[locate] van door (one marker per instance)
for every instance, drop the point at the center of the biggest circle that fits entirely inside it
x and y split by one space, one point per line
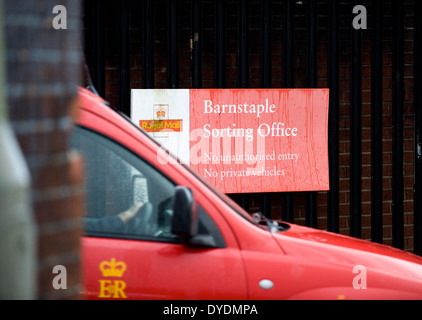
141 259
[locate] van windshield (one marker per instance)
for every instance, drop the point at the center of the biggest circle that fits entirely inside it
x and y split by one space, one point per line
238 209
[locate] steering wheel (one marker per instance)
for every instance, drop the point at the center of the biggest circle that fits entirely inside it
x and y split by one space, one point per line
141 223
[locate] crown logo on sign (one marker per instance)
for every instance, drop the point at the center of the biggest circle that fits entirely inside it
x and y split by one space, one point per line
112 268
161 113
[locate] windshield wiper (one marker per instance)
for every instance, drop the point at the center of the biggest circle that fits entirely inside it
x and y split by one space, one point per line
258 218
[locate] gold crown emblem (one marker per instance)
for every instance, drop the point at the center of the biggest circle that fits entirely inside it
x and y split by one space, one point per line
161 113
112 268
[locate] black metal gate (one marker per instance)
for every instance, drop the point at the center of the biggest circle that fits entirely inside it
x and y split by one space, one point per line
237 33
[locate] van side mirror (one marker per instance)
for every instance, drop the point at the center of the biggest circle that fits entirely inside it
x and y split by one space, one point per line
185 216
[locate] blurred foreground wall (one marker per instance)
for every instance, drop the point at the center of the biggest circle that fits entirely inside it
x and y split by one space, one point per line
43 72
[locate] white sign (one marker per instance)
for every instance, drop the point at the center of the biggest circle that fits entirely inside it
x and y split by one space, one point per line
164 114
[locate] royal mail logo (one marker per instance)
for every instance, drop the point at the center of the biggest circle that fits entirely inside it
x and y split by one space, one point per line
112 268
162 125
161 111
112 288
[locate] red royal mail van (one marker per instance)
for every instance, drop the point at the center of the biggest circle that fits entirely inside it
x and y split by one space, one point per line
188 241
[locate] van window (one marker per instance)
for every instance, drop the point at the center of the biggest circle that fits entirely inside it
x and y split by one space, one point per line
115 180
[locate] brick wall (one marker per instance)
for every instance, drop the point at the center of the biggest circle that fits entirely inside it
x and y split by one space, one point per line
345 20
43 71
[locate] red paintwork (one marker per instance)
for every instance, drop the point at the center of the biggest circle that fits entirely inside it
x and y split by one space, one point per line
303 263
